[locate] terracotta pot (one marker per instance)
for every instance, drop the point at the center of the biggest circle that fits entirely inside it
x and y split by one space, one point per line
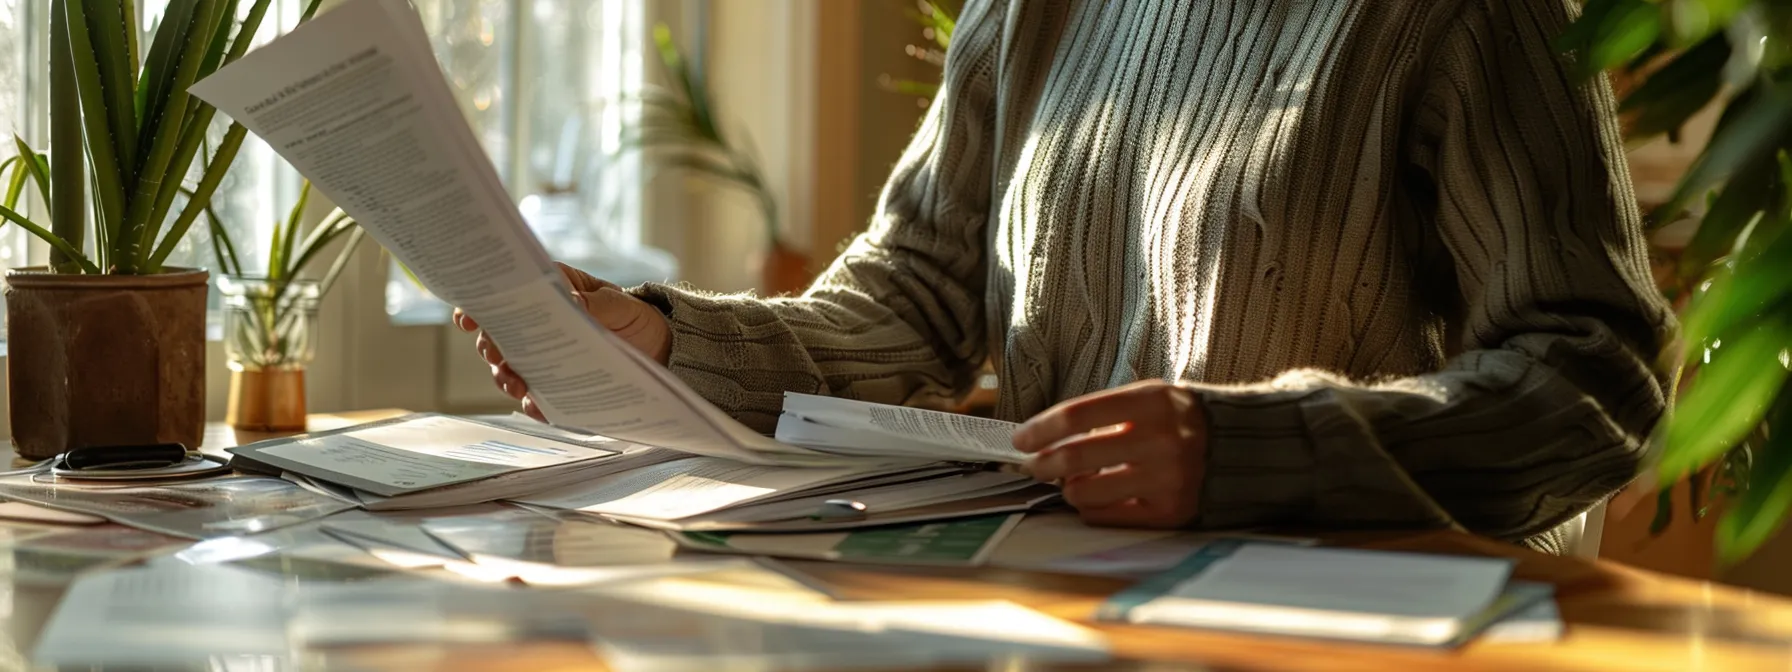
784 271
105 360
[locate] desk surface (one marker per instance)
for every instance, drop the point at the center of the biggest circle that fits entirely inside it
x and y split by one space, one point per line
1617 617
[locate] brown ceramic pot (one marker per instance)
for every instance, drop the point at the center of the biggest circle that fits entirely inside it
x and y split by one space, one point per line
105 360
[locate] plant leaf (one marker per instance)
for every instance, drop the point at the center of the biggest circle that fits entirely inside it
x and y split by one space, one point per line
157 77
1755 130
51 238
1728 398
68 168
108 173
1763 508
134 248
214 53
201 197
1623 34
245 34
33 165
1678 90
107 26
15 186
1748 194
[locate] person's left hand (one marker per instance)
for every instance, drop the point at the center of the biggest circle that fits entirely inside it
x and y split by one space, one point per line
1132 456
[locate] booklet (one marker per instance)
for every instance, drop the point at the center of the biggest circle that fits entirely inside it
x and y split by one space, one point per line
1334 593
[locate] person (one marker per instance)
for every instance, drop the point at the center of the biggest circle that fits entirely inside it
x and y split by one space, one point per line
1238 263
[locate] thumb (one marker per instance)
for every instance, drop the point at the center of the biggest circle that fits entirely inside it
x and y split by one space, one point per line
612 308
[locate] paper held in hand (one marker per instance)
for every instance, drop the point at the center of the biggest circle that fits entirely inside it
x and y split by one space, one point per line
355 101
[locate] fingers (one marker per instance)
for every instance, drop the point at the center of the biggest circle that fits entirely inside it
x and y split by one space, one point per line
1108 488
488 349
509 382
1131 513
613 308
1090 453
464 321
532 410
1139 403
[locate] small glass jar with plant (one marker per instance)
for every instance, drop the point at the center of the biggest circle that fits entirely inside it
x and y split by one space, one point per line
270 317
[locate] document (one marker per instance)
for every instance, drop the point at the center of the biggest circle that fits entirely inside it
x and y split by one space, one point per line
219 507
965 542
1406 598
690 486
851 427
356 102
416 453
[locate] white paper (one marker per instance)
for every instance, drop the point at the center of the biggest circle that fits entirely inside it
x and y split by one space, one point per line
418 454
895 430
1345 580
355 101
217 507
687 487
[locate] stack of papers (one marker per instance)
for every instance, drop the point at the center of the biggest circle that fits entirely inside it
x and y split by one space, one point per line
218 507
1376 596
428 460
856 428
712 494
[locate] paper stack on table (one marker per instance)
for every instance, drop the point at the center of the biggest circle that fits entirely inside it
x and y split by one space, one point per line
1377 596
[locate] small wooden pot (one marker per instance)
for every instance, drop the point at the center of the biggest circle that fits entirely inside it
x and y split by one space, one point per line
105 360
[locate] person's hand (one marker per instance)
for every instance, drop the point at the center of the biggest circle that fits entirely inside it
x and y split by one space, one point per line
637 322
1132 456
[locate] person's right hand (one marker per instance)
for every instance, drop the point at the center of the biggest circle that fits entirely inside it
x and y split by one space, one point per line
636 321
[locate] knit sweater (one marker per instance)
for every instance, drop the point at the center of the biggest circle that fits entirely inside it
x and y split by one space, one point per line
1392 244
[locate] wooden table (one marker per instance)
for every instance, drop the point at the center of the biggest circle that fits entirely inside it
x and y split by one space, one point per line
1618 618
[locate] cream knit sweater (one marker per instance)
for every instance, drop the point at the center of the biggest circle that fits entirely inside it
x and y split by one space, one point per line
1392 242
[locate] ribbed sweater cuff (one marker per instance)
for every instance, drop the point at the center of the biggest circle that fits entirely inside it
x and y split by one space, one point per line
710 348
1260 459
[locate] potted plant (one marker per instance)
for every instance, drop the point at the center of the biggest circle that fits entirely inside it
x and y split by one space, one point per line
270 316
678 130
107 344
1730 428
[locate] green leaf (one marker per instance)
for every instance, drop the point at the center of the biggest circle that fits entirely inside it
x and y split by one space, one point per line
342 259
214 54
1623 34
223 251
157 78
1678 90
15 186
1728 397
44 234
108 172
201 197
280 256
1747 195
1754 131
68 168
1664 511
1688 21
107 25
34 165
1762 509
245 34
139 236
310 10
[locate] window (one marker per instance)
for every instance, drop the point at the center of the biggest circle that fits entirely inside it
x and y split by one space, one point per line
539 82
542 82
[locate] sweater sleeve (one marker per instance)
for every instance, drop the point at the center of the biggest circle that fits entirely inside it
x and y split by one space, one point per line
1545 410
900 314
